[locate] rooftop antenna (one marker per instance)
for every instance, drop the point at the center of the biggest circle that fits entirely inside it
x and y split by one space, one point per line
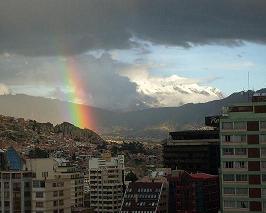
248 80
249 94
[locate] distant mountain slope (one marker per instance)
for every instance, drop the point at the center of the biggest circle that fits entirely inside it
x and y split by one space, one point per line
20 131
154 122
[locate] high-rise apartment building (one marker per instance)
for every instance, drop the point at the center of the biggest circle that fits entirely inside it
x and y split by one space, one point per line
243 156
67 170
106 182
15 191
51 191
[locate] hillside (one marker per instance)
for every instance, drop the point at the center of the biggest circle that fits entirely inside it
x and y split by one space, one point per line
154 122
18 131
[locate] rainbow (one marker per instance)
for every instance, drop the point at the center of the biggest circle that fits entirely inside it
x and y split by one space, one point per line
78 114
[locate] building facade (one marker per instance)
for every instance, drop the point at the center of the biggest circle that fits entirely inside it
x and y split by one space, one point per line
192 151
193 193
15 191
51 192
243 156
67 170
106 183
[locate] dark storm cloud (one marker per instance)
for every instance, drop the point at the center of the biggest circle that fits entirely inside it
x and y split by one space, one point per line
41 27
101 86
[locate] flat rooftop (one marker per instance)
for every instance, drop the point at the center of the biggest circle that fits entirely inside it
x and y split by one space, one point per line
195 135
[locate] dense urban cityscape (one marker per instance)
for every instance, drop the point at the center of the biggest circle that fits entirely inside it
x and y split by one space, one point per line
132 106
217 168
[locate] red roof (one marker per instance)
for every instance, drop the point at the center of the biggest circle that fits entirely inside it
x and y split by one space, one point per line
203 176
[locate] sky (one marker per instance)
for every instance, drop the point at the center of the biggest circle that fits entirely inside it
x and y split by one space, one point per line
132 54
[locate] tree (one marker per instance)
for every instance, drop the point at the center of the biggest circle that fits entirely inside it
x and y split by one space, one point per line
38 153
131 177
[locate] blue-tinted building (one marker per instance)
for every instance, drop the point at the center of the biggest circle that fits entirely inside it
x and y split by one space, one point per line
14 160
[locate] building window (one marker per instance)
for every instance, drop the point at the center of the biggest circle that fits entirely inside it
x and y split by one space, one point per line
55 202
263 164
241 177
240 151
227 125
263 192
229 191
39 204
263 152
263 178
241 191
229 204
240 125
61 202
240 138
39 194
44 174
6 185
264 206
263 138
229 177
229 164
240 164
263 125
61 193
242 204
227 138
38 184
228 151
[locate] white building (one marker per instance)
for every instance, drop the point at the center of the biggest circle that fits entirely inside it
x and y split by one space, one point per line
57 186
106 182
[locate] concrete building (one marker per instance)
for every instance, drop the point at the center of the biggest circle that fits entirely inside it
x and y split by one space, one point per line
67 170
15 191
193 151
243 156
106 182
193 193
148 195
51 191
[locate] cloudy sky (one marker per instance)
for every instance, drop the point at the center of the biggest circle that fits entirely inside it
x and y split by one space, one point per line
128 54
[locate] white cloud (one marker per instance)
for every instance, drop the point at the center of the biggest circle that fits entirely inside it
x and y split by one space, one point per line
169 91
4 90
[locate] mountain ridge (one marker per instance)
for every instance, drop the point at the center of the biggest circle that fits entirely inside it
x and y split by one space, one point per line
152 122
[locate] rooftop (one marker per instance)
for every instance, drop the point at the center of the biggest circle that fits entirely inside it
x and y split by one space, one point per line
194 135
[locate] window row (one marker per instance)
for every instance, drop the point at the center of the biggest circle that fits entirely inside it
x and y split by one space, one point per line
250 139
251 205
235 191
243 125
234 151
236 204
243 178
235 164
251 165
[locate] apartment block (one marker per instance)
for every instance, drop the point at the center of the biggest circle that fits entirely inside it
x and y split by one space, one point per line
67 170
243 156
15 191
193 151
106 182
51 192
